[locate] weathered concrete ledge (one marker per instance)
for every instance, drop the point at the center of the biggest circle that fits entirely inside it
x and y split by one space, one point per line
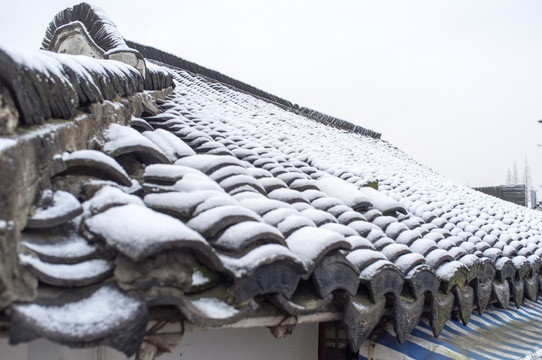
26 163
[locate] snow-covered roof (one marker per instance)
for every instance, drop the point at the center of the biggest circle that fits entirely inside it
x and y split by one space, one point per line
226 205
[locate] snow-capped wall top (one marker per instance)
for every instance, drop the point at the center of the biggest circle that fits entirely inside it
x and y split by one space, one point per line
44 84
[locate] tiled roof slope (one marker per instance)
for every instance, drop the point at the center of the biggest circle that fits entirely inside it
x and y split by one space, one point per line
169 59
225 205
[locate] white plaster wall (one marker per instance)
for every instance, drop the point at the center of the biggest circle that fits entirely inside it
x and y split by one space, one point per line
45 350
227 344
254 343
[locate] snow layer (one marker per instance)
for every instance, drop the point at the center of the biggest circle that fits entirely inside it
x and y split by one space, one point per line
196 182
362 258
380 201
210 218
96 156
263 205
170 144
84 270
106 197
6 143
214 308
78 80
137 231
73 247
208 163
198 278
442 222
87 319
309 243
167 172
238 236
63 204
122 137
265 254
348 193
182 203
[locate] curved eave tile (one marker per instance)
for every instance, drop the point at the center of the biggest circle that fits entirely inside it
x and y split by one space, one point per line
452 273
63 208
301 302
407 262
335 272
441 311
247 234
167 173
215 201
311 244
505 269
269 268
80 274
484 285
229 171
82 319
95 163
381 278
208 163
171 145
180 204
122 140
348 193
140 125
406 315
263 205
53 248
212 221
421 280
138 232
361 316
361 258
107 197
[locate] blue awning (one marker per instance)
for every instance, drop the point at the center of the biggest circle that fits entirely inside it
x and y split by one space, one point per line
497 334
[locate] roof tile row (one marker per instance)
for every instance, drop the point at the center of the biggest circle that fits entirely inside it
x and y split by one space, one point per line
224 202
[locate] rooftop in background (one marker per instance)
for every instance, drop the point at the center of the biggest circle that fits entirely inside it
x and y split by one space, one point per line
516 194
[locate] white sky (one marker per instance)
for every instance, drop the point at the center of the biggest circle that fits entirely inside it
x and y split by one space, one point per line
456 84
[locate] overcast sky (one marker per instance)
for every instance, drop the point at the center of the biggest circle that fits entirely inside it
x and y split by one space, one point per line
456 84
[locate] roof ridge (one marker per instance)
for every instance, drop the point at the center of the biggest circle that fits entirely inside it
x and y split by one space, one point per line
173 60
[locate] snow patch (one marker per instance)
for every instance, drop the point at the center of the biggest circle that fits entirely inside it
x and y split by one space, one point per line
214 308
74 246
83 270
137 231
103 311
63 204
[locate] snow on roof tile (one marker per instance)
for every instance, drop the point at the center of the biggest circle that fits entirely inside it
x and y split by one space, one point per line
95 162
137 232
105 316
248 205
80 274
57 208
122 140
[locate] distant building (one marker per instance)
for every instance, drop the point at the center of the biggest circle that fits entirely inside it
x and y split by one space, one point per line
516 194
